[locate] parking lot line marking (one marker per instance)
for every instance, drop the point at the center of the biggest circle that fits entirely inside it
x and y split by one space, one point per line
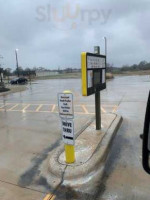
115 108
44 111
32 111
83 113
39 107
29 111
85 110
2 106
83 107
92 105
13 107
24 109
103 109
53 197
49 197
53 108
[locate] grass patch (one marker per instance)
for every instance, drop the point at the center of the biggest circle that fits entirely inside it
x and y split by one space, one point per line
61 76
69 76
132 73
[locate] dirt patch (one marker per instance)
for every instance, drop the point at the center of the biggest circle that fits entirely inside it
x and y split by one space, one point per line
109 76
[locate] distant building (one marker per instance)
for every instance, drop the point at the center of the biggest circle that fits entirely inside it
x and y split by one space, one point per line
70 70
45 73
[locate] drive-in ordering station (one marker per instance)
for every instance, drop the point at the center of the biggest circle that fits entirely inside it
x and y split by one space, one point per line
93 81
93 67
93 73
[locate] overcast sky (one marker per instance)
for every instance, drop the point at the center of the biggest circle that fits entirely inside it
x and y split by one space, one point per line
52 34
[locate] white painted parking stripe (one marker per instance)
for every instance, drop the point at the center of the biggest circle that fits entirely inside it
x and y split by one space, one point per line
103 109
85 110
3 105
115 108
38 108
82 108
53 108
13 107
24 109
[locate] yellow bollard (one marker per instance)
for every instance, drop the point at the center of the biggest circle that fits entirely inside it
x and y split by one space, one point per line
69 149
69 153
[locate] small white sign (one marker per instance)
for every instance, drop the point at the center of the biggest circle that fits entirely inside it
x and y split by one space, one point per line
95 62
65 104
90 78
103 76
68 131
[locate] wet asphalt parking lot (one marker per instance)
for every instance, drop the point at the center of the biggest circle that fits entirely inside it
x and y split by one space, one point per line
29 130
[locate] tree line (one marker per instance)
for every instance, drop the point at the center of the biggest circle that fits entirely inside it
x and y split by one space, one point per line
143 65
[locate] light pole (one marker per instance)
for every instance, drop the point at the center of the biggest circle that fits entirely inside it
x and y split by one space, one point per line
17 66
105 38
1 57
1 70
1 76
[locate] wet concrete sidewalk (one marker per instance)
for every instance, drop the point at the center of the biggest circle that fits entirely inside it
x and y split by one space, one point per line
25 141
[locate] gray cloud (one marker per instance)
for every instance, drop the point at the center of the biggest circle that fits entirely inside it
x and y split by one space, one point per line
53 33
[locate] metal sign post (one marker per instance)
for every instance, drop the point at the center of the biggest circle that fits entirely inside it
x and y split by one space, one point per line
97 99
97 110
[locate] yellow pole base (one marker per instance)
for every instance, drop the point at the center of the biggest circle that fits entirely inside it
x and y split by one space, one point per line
69 149
69 153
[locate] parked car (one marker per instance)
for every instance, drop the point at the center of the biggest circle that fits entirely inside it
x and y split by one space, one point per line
20 80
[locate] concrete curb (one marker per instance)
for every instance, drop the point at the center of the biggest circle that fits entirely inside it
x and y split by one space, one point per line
83 172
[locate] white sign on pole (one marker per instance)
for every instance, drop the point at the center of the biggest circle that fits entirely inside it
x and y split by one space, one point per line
95 62
90 78
68 131
103 76
65 104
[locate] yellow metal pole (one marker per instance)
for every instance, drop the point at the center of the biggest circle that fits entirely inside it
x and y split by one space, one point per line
69 149
69 153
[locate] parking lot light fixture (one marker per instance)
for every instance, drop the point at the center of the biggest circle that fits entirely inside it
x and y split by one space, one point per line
17 66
